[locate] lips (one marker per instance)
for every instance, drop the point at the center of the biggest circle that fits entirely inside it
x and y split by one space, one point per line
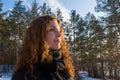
58 41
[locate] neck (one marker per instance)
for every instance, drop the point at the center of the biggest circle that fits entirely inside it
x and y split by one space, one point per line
56 53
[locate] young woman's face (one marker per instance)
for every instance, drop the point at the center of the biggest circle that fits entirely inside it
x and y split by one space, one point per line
53 35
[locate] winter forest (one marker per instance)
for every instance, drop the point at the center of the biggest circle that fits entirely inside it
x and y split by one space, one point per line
94 42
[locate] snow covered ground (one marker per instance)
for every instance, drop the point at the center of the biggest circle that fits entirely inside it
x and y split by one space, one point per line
6 72
85 76
89 78
5 76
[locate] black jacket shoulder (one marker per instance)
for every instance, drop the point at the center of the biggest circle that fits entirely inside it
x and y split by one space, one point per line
55 70
19 74
23 74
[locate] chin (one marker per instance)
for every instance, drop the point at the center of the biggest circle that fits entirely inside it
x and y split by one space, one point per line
57 47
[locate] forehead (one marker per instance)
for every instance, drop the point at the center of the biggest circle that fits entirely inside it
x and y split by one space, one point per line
54 23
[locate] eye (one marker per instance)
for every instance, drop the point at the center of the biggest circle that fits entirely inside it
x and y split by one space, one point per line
52 29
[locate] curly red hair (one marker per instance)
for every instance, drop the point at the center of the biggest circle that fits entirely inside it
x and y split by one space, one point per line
35 45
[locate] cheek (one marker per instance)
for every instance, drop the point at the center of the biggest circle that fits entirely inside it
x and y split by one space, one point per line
50 37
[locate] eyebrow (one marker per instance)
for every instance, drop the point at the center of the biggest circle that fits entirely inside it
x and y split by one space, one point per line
53 26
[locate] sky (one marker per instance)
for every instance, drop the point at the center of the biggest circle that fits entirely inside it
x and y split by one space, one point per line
82 7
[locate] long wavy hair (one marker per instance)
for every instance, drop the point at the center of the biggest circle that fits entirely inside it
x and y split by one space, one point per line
35 45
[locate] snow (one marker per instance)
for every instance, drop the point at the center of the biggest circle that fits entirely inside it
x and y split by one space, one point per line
5 76
89 78
85 76
6 72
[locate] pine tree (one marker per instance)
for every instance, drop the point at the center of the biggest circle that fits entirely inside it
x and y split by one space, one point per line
112 28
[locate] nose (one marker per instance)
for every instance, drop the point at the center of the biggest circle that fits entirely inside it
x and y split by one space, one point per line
58 34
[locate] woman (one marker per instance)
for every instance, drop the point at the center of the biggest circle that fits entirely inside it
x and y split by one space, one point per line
44 55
